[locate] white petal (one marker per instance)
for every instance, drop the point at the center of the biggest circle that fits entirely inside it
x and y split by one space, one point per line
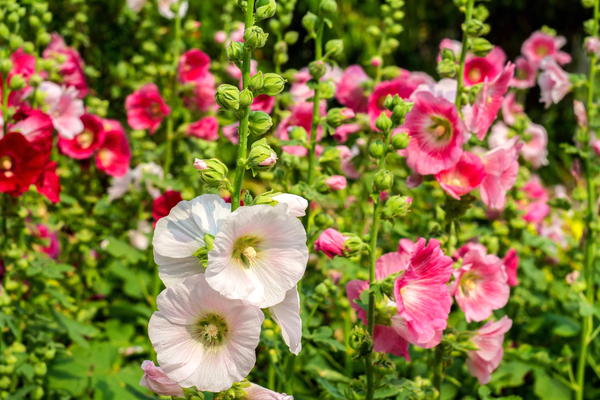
175 270
209 211
287 316
177 235
296 204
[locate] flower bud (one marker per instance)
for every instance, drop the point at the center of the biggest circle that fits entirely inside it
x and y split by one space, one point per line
352 245
400 141
332 243
481 47
400 111
328 7
383 365
377 149
323 221
17 82
228 97
588 3
259 123
309 22
35 80
265 9
383 123
28 48
266 198
317 69
254 38
592 45
361 342
339 116
334 48
273 84
34 21
43 38
257 81
235 51
448 54
15 42
299 134
331 160
396 206
291 37
446 68
384 180
261 156
5 66
212 172
246 98
474 27
596 147
391 102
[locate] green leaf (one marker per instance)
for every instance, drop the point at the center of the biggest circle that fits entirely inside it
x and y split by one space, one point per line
21 393
76 330
121 250
26 370
548 388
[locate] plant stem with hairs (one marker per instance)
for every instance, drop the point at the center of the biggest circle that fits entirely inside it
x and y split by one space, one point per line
463 55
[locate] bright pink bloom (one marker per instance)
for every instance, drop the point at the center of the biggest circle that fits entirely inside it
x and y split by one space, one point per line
350 91
540 45
488 339
554 82
263 103
342 132
21 163
467 247
450 44
501 167
161 207
146 108
158 382
463 177
84 144
445 88
302 115
71 68
510 108
23 65
524 74
53 248
511 263
535 190
48 183
331 242
402 86
206 129
436 135
480 285
405 247
203 93
336 182
193 65
580 113
536 211
114 154
478 69
65 109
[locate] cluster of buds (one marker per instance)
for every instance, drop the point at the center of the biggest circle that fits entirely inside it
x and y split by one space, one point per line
396 206
279 25
392 27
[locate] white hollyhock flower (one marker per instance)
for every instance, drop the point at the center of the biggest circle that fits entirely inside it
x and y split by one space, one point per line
296 204
164 8
256 392
287 315
259 254
135 5
179 235
203 339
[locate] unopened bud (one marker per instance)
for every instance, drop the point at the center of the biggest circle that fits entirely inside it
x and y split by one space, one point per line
255 38
212 172
474 27
383 123
323 221
5 66
17 82
446 68
317 69
257 81
299 134
400 141
481 47
309 22
235 51
352 245
291 37
265 9
384 180
261 156
246 98
377 149
273 84
328 7
259 123
396 206
15 42
334 48
339 116
448 54
383 365
228 97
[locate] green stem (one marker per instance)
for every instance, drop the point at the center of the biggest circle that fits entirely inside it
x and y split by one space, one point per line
379 68
236 196
438 368
463 55
6 92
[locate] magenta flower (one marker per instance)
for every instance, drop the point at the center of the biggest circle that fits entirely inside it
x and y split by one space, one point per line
53 247
65 109
554 82
193 65
331 242
511 263
157 381
524 74
71 64
146 108
350 91
463 177
263 103
540 45
336 182
488 339
402 86
510 108
436 135
467 247
206 128
302 115
113 155
84 144
480 285
480 69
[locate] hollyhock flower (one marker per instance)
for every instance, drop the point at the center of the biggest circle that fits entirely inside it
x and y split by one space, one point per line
445 88
157 381
336 182
350 91
220 37
535 149
164 8
287 315
179 235
71 64
202 94
300 91
64 108
454 45
146 108
263 103
84 144
535 190
510 108
21 163
592 45
53 248
554 82
259 254
414 180
136 6
477 69
331 242
536 211
161 207
467 247
488 339
48 182
203 339
480 285
501 167
138 238
193 65
541 45
346 156
436 135
580 113
342 132
231 132
402 86
488 102
511 263
36 127
255 392
524 74
296 204
113 154
463 177
206 129
302 115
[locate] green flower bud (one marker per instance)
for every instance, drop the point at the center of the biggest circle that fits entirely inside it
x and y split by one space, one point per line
481 47
212 172
391 102
34 21
323 221
331 159
400 141
47 17
228 97
383 365
259 123
328 7
15 42
474 27
446 68
448 54
28 48
13 18
383 123
281 47
334 48
377 149
273 84
265 9
37 393
17 82
235 51
257 81
4 382
400 111
5 66
254 38
588 3
299 134
309 22
246 98
261 156
291 37
361 342
396 206
384 180
43 38
352 245
290 161
267 198
274 25
317 69
339 116
4 31
373 30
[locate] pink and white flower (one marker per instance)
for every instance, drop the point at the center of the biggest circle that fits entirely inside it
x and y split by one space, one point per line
287 315
445 88
501 167
554 82
64 108
540 45
336 182
296 204
463 177
488 339
158 382
146 108
510 108
164 8
535 150
255 392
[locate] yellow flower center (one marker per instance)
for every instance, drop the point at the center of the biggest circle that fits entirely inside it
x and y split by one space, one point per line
250 254
439 130
85 139
475 75
455 182
211 331
6 163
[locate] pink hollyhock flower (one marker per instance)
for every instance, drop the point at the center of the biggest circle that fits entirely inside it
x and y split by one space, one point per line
405 247
138 238
48 183
146 108
164 8
231 132
436 135
255 392
24 66
85 143
301 92
113 154
445 88
477 69
554 231
501 167
592 45
161 207
450 44
536 211
554 82
206 129
596 147
331 242
488 339
263 103
524 74
402 86
302 115
480 285
350 91
510 108
136 6
346 156
511 263
342 132
203 339
193 65
53 248
271 160
580 113
202 96
65 109
463 177
467 247
414 180
336 182
21 163
535 190
71 64
488 102
535 149
220 37
157 381
540 45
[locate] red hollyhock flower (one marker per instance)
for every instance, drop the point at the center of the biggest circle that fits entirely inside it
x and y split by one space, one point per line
48 183
36 127
161 207
146 108
21 163
193 65
85 143
114 154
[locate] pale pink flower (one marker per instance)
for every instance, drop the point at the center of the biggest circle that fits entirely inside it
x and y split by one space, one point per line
200 164
445 88
350 91
336 182
64 108
255 392
436 135
592 45
157 381
554 82
164 8
203 92
203 339
489 338
511 263
510 108
136 6
206 128
331 242
231 132
501 167
146 108
540 45
480 285
138 238
572 277
467 247
220 37
342 132
287 315
346 156
296 204
535 149
580 113
463 177
525 74
271 160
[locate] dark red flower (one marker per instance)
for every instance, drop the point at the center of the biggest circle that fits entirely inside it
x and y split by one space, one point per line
48 183
21 163
161 207
85 143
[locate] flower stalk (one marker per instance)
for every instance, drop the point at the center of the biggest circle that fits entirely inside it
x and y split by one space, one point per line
463 55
